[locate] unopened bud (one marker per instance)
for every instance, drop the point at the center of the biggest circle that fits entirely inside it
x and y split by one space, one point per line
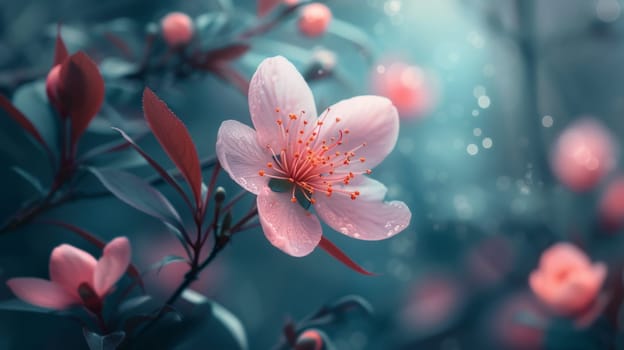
53 81
311 339
219 195
177 29
314 19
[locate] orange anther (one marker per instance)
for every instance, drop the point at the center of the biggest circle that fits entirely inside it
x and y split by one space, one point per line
261 172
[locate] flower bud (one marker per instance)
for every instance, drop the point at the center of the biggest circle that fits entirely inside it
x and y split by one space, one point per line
314 19
584 153
411 89
53 81
219 195
566 280
311 339
177 29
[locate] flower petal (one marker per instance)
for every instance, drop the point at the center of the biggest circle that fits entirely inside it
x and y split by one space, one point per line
241 156
563 255
367 217
276 90
287 225
70 266
369 120
112 265
40 292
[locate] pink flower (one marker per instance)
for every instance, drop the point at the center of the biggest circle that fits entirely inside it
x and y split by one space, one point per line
177 29
409 87
295 161
566 280
76 278
314 19
583 155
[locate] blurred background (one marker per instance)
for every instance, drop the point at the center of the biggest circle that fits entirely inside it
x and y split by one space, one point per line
485 88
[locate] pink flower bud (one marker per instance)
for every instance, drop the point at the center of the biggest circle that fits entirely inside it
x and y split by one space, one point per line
314 19
177 29
412 90
566 280
612 205
53 81
584 153
311 339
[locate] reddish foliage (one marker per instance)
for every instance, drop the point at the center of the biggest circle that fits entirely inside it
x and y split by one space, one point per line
81 92
334 251
24 122
175 140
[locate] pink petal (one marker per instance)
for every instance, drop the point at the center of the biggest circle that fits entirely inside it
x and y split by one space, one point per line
370 120
70 266
112 265
287 225
367 217
241 156
563 255
40 292
275 91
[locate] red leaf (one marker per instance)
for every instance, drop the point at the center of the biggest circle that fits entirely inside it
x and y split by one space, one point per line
209 59
232 76
120 44
60 51
23 121
81 92
175 140
93 239
266 6
334 251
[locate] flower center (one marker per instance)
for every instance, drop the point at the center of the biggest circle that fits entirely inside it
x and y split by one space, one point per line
311 159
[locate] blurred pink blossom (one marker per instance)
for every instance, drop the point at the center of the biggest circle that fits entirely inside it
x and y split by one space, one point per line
432 304
612 205
294 160
584 153
566 280
177 29
412 90
314 19
76 277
